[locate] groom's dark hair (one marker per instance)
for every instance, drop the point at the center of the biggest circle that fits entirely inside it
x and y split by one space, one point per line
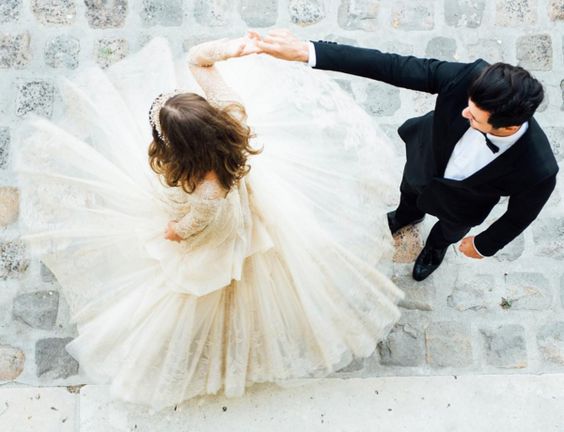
509 93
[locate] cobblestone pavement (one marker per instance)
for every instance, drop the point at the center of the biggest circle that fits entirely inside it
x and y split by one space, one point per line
501 315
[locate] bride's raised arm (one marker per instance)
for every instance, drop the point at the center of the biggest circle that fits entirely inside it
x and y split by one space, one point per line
201 59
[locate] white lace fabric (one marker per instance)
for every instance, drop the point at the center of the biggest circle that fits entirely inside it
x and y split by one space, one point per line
203 205
201 60
281 277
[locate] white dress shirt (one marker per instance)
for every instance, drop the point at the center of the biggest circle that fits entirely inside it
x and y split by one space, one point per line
471 153
312 60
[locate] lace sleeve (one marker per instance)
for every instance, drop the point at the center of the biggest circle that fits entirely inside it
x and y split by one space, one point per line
205 204
199 217
201 59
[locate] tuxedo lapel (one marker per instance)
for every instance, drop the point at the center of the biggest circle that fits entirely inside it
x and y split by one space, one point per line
456 127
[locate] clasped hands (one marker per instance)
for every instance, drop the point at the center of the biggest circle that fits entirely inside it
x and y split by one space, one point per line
279 43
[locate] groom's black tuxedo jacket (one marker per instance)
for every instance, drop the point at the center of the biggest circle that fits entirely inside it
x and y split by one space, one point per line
526 172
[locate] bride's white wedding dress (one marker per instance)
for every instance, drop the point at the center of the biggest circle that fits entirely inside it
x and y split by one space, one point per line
276 279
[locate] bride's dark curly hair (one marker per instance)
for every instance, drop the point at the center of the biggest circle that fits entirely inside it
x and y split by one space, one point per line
199 138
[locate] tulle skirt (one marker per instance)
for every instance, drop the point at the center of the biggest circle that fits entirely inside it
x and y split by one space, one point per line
311 293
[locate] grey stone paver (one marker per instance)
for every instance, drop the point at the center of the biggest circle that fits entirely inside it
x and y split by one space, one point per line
37 309
528 291
13 260
359 15
490 49
448 344
381 99
418 296
535 52
306 12
513 250
14 50
413 15
106 14
160 12
556 10
4 146
9 200
36 96
556 137
562 290
441 47
259 13
109 51
52 360
12 361
46 274
464 13
54 12
502 313
62 51
404 346
551 342
511 13
548 235
505 346
473 295
213 13
562 82
10 10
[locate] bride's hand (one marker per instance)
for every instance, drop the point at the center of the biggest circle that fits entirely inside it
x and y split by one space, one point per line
243 46
170 233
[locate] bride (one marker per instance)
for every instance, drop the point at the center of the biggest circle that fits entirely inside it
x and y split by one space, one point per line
245 250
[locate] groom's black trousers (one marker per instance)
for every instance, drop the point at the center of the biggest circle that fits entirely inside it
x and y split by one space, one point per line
443 232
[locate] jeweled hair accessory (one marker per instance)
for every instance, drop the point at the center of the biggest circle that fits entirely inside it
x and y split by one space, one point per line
155 110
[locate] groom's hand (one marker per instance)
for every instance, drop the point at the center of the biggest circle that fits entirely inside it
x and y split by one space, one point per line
467 248
282 44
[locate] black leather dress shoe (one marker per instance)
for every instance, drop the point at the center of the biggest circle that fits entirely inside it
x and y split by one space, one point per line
427 262
395 224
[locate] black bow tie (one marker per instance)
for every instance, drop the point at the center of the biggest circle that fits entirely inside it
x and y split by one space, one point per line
490 144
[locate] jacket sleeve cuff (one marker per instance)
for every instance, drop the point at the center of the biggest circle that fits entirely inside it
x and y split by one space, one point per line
476 249
484 246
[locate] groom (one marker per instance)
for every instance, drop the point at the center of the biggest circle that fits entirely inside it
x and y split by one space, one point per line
480 143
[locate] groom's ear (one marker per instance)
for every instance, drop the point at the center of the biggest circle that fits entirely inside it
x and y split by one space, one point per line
511 129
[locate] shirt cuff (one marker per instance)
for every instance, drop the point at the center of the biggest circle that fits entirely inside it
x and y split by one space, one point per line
476 249
312 60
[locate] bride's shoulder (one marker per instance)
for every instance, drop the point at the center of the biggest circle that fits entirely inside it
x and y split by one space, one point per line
210 188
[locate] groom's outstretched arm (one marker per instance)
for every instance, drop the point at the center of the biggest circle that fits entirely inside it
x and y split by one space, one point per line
428 75
422 74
